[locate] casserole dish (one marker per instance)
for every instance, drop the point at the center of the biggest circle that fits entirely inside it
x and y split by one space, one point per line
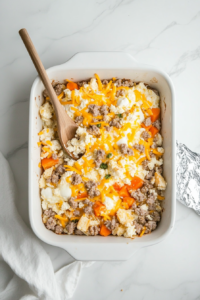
107 65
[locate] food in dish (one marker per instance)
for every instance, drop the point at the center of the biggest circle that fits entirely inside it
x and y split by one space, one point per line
115 187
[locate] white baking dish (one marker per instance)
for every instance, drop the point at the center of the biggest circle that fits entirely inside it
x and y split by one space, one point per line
107 65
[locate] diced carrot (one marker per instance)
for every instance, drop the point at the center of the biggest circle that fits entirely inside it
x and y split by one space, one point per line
98 207
82 195
136 183
117 187
155 114
72 86
124 192
129 201
146 127
153 131
49 162
104 230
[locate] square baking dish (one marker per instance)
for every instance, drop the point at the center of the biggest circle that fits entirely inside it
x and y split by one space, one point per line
106 65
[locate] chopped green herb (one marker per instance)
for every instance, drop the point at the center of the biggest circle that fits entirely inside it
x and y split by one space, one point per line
99 125
120 115
107 176
103 166
109 155
75 220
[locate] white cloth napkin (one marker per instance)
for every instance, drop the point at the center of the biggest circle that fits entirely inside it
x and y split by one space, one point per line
22 251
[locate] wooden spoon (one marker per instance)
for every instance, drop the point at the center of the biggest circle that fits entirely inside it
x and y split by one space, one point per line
66 126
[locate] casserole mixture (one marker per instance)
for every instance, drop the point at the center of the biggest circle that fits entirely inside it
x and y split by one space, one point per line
116 186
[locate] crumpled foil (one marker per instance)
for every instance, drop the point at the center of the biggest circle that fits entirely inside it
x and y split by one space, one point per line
188 177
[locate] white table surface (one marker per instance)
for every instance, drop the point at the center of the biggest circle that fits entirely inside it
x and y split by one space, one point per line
158 32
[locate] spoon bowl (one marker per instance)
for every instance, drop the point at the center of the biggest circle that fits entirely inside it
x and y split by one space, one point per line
66 126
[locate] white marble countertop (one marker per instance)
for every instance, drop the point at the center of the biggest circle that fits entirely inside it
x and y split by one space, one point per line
161 33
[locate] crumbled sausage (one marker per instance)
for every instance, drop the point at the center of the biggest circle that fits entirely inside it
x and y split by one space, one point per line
153 193
111 225
107 128
88 210
54 177
104 110
124 82
138 227
108 224
149 175
86 201
140 148
150 200
156 216
125 150
90 184
60 169
57 87
78 232
147 121
100 154
120 92
138 195
70 227
147 184
58 229
93 192
98 162
150 226
94 230
81 83
152 155
94 109
116 123
72 203
144 189
77 213
145 164
48 212
141 220
76 179
48 180
128 82
134 206
104 81
140 212
78 119
145 135
91 187
51 223
94 130
157 124
152 206
54 156
118 82
45 93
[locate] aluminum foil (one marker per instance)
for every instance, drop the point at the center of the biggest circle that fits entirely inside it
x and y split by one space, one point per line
188 177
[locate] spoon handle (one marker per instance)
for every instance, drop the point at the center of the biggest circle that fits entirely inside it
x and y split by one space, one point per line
40 69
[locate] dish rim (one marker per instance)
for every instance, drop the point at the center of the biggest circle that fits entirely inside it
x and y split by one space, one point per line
140 66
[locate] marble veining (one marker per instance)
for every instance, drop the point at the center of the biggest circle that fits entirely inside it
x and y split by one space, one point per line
157 32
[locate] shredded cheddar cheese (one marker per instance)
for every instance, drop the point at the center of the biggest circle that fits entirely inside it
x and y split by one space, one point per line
114 150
